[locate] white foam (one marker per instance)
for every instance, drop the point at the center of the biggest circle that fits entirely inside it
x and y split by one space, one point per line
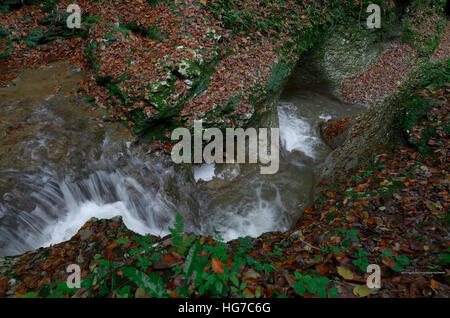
68 226
62 208
252 217
325 117
204 171
296 132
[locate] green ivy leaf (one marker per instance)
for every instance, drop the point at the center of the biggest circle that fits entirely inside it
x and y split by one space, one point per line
122 240
402 260
445 258
219 286
312 286
321 292
299 288
333 292
234 280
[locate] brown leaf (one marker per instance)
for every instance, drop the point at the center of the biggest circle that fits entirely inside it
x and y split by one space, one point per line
217 266
389 262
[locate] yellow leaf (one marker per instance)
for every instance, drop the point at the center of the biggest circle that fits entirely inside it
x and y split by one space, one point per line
345 272
361 291
434 284
140 293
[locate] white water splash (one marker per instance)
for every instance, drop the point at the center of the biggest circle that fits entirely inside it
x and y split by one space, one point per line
325 117
204 172
252 217
296 133
68 226
62 208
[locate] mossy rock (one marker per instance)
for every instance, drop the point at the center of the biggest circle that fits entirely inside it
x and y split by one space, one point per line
188 69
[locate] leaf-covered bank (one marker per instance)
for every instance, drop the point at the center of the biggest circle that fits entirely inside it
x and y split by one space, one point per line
156 65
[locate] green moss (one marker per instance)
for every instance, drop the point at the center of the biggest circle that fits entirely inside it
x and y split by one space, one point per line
426 10
188 69
33 37
201 82
4 33
154 33
280 72
414 107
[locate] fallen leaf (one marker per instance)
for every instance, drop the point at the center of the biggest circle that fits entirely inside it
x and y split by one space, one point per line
345 272
217 266
361 291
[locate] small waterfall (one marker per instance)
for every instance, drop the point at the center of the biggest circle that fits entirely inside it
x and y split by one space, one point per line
62 207
296 133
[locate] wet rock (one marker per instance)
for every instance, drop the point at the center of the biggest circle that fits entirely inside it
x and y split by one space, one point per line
334 133
86 234
342 54
297 156
365 132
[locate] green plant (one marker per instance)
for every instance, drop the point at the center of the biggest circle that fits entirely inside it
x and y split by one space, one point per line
316 285
414 106
47 291
103 271
400 261
179 241
152 284
4 33
153 32
361 259
351 235
155 2
146 254
33 37
4 56
445 258
280 73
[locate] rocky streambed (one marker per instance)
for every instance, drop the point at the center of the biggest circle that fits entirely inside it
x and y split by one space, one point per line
63 164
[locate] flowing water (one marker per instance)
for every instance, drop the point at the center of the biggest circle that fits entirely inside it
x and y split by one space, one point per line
59 168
